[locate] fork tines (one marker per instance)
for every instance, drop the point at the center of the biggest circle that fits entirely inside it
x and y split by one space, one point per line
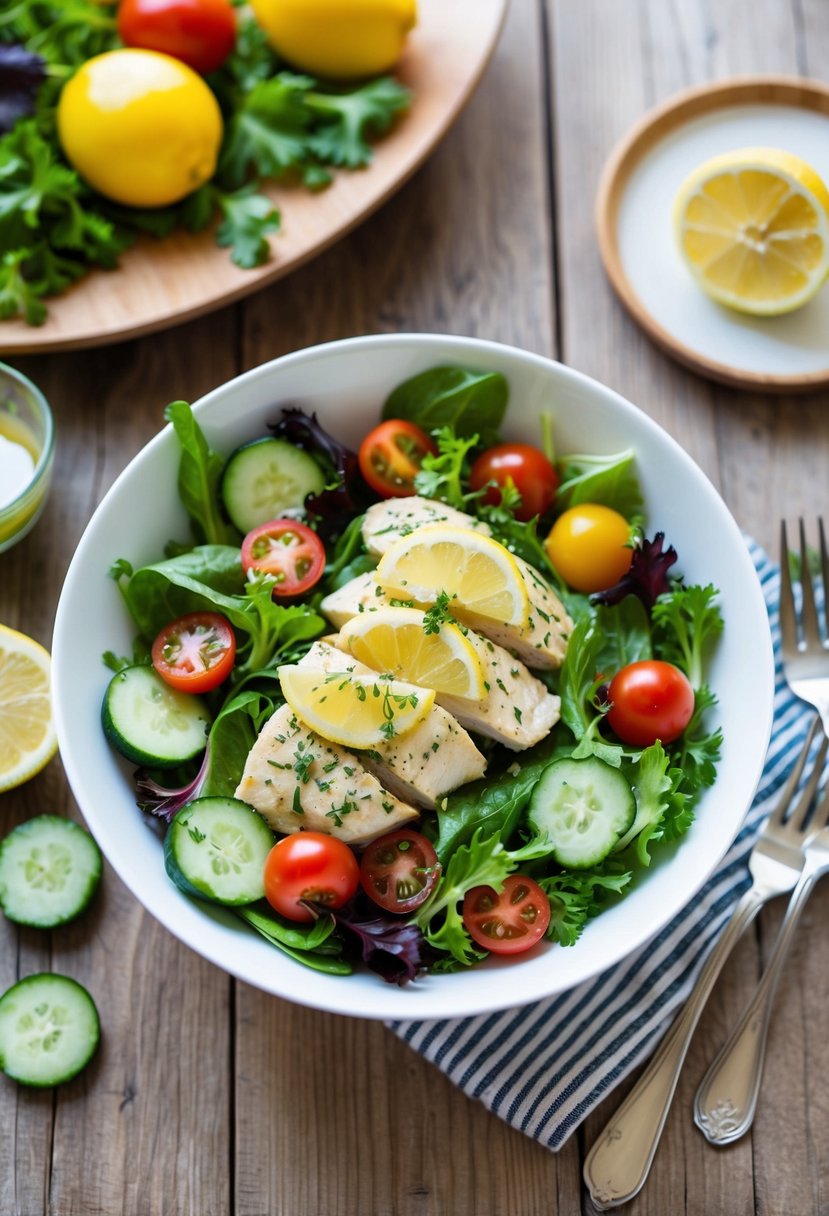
806 632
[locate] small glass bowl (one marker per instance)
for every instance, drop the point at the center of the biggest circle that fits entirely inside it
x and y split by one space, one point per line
25 419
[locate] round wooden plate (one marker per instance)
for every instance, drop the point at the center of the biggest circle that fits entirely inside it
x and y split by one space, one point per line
634 218
161 283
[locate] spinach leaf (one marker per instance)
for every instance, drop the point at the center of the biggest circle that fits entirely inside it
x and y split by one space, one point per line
232 736
610 480
308 944
208 578
467 401
199 476
626 635
494 804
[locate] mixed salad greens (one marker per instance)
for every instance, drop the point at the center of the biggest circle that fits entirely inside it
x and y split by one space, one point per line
485 871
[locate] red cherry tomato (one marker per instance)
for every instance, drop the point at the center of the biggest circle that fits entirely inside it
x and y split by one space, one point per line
509 922
201 33
312 866
290 551
390 456
650 700
398 871
529 470
195 652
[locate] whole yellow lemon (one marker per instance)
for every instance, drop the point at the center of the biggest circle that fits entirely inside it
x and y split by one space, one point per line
342 39
140 127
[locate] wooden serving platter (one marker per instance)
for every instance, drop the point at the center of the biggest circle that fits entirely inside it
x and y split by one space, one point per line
788 353
162 283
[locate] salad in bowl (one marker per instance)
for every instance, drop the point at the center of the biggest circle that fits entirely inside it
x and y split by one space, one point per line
419 664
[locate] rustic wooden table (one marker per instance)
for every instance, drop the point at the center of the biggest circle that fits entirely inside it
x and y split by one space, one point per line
210 1098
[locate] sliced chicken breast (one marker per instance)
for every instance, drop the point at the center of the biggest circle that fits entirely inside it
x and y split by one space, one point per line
387 521
424 764
298 780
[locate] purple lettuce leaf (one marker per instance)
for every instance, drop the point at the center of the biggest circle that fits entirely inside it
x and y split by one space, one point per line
21 75
647 577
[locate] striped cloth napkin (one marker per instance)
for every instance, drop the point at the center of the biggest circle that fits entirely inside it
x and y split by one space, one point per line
543 1068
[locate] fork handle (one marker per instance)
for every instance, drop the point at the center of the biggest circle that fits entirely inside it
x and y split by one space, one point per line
727 1097
618 1163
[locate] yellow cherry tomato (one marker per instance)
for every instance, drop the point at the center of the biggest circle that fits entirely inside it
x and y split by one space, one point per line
344 39
140 127
588 545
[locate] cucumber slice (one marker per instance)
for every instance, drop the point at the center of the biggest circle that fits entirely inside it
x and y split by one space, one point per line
216 848
151 723
49 870
264 479
49 1030
584 807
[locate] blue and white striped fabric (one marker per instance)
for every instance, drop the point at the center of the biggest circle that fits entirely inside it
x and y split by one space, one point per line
543 1068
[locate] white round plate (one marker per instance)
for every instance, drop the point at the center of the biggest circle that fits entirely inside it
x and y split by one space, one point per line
346 384
789 353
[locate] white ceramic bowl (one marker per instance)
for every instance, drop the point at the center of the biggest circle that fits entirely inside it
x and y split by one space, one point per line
346 383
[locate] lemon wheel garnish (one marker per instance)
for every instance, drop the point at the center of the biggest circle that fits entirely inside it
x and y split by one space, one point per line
27 732
355 710
478 574
395 640
753 227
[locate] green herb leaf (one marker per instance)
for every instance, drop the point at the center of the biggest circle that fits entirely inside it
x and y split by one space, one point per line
610 480
199 475
346 121
468 403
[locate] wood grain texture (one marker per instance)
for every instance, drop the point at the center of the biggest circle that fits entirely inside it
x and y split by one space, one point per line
161 283
209 1098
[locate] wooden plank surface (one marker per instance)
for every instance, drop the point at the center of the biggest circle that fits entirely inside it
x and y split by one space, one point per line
210 1098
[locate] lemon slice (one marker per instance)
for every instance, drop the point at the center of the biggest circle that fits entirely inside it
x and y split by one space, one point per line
753 226
27 732
394 640
478 574
354 710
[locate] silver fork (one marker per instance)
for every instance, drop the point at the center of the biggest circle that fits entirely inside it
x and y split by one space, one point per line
805 652
727 1097
726 1100
619 1162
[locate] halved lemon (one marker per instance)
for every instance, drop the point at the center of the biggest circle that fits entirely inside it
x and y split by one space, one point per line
27 732
354 710
753 227
478 574
395 640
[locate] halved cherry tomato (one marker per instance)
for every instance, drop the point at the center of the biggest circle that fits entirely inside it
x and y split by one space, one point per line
589 547
390 456
312 866
290 551
509 922
650 700
398 871
195 653
201 33
529 470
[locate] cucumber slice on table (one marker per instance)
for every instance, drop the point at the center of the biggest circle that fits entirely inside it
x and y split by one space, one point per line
151 723
216 848
49 1030
49 870
584 807
264 479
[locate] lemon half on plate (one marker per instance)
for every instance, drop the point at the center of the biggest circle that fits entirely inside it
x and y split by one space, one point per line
753 227
27 732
